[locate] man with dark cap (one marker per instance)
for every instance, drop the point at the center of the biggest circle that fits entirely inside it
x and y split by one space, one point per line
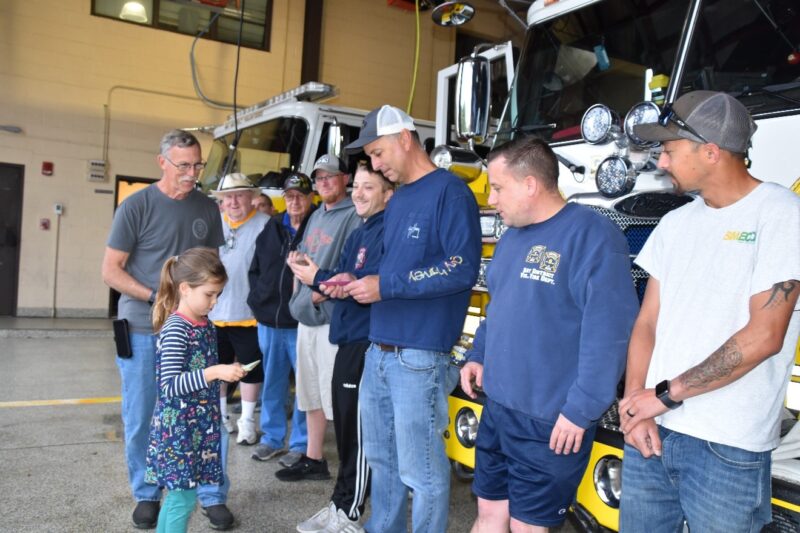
430 263
711 350
271 287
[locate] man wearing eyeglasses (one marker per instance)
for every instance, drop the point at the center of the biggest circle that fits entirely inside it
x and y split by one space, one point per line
271 287
158 222
326 233
711 351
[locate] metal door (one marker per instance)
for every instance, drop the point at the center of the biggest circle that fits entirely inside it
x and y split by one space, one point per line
10 229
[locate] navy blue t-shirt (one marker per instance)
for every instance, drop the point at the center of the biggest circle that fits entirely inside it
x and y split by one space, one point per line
360 257
431 255
563 304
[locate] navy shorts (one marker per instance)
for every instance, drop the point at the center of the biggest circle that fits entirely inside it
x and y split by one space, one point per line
237 343
514 462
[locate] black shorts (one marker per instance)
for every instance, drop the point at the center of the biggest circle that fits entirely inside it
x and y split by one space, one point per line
514 462
236 343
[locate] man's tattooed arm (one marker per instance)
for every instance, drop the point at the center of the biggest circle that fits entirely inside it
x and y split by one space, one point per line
770 312
718 365
780 293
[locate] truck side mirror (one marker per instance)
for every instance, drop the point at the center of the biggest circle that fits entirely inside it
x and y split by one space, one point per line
473 88
334 139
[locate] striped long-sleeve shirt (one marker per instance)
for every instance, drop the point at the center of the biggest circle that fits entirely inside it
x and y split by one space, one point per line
182 357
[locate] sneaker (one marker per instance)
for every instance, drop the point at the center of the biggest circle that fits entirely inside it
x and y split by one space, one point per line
145 515
317 523
219 516
341 523
264 452
305 468
229 424
290 459
247 432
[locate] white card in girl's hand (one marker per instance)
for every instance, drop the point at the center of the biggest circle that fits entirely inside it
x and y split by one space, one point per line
250 366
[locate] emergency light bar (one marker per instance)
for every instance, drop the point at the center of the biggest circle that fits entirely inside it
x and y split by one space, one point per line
308 92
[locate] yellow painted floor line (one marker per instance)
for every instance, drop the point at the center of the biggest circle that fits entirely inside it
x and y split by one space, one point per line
72 401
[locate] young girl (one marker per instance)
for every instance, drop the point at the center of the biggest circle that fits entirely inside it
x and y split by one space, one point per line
184 448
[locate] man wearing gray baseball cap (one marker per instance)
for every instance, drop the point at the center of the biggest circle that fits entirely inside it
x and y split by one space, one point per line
431 255
711 352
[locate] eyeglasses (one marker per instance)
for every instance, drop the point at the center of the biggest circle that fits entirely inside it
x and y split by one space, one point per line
293 197
326 178
185 167
669 115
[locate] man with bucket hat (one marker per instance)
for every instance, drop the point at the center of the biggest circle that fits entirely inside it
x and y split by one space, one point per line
711 351
419 299
237 336
158 222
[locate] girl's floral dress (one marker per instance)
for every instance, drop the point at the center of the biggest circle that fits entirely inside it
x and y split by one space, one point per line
184 447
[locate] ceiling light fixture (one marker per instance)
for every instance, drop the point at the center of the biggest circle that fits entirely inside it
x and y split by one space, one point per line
133 11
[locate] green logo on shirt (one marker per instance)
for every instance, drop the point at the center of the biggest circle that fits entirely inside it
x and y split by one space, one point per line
741 236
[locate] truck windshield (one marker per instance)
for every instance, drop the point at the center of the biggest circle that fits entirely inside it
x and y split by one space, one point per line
601 53
743 47
598 54
265 153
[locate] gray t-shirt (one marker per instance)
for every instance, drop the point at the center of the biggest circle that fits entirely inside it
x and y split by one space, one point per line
151 227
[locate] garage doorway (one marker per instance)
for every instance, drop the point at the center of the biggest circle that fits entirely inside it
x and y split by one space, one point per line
125 186
10 231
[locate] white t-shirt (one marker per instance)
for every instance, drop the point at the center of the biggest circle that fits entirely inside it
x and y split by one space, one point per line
708 263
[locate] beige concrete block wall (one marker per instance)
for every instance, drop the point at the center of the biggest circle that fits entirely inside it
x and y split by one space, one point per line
61 69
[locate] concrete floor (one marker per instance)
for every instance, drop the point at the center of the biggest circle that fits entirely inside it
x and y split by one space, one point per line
63 464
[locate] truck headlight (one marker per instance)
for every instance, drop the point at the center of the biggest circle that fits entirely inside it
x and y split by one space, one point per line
608 480
466 427
465 164
599 124
615 176
641 113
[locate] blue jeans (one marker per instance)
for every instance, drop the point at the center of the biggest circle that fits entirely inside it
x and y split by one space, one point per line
279 347
403 402
139 392
715 488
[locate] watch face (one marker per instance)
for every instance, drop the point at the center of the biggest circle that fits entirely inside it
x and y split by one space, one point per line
662 388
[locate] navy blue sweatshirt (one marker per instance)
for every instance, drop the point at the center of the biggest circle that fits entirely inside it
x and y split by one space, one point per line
431 255
556 333
360 257
271 279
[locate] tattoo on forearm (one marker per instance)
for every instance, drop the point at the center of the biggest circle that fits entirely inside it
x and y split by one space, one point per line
719 364
784 288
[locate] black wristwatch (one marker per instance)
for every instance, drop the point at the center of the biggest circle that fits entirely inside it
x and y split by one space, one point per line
152 298
662 393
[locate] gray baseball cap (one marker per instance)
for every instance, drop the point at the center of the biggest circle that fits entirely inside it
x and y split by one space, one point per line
718 117
384 120
329 163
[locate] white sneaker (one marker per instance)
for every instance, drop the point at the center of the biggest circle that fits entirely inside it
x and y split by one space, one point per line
341 523
228 423
317 523
247 431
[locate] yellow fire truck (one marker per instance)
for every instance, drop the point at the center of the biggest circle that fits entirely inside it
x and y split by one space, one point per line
589 70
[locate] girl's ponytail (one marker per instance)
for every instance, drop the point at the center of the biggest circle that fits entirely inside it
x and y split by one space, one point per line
167 296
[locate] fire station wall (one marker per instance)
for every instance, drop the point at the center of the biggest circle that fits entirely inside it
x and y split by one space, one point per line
60 69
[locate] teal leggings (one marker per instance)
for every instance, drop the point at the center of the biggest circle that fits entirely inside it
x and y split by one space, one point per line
176 510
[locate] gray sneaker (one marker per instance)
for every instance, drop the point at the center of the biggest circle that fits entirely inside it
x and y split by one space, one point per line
317 523
264 452
290 458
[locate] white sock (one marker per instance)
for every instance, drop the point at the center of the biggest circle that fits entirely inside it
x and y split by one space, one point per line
248 410
223 406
